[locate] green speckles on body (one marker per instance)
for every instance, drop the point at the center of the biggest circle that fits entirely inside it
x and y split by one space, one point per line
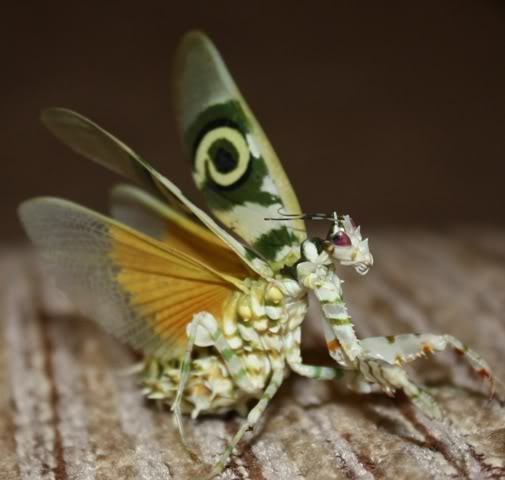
228 353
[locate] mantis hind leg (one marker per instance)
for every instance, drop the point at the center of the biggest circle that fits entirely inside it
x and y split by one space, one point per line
252 419
234 363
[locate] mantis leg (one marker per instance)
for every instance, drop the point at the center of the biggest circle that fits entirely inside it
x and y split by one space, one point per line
317 372
378 360
252 419
294 360
383 356
399 349
391 378
233 362
371 365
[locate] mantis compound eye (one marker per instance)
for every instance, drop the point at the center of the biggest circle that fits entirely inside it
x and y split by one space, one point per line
341 239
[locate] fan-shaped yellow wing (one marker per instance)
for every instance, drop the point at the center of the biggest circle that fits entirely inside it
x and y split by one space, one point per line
139 289
144 212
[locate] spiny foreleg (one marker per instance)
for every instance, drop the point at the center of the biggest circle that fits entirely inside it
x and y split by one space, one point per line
377 359
399 349
391 378
351 353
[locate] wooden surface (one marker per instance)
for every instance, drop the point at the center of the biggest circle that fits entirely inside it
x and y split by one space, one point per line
67 412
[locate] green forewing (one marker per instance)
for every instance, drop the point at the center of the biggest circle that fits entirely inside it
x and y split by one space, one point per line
234 165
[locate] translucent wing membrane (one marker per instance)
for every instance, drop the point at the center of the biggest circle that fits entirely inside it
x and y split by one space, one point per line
90 140
138 288
234 165
143 212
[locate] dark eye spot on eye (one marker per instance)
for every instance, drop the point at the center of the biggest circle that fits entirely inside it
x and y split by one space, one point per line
224 156
341 239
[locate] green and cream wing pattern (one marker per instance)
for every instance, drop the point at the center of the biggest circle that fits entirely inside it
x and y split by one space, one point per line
234 164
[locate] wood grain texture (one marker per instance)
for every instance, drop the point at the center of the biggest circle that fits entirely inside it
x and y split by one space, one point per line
68 412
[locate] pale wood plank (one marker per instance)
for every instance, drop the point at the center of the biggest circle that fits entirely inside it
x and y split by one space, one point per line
66 413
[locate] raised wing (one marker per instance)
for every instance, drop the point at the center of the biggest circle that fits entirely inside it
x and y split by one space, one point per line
137 288
143 212
93 142
234 165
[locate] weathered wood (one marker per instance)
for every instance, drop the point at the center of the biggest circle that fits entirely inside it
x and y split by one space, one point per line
67 412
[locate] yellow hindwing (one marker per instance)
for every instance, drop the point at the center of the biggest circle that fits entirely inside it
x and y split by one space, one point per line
140 289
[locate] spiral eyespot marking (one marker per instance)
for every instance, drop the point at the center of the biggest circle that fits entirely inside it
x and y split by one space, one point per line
224 155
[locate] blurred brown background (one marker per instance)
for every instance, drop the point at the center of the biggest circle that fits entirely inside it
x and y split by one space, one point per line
394 114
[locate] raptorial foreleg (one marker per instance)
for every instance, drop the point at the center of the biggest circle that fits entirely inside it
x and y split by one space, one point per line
391 378
352 354
399 349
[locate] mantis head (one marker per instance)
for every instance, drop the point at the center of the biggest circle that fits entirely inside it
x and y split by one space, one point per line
345 244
